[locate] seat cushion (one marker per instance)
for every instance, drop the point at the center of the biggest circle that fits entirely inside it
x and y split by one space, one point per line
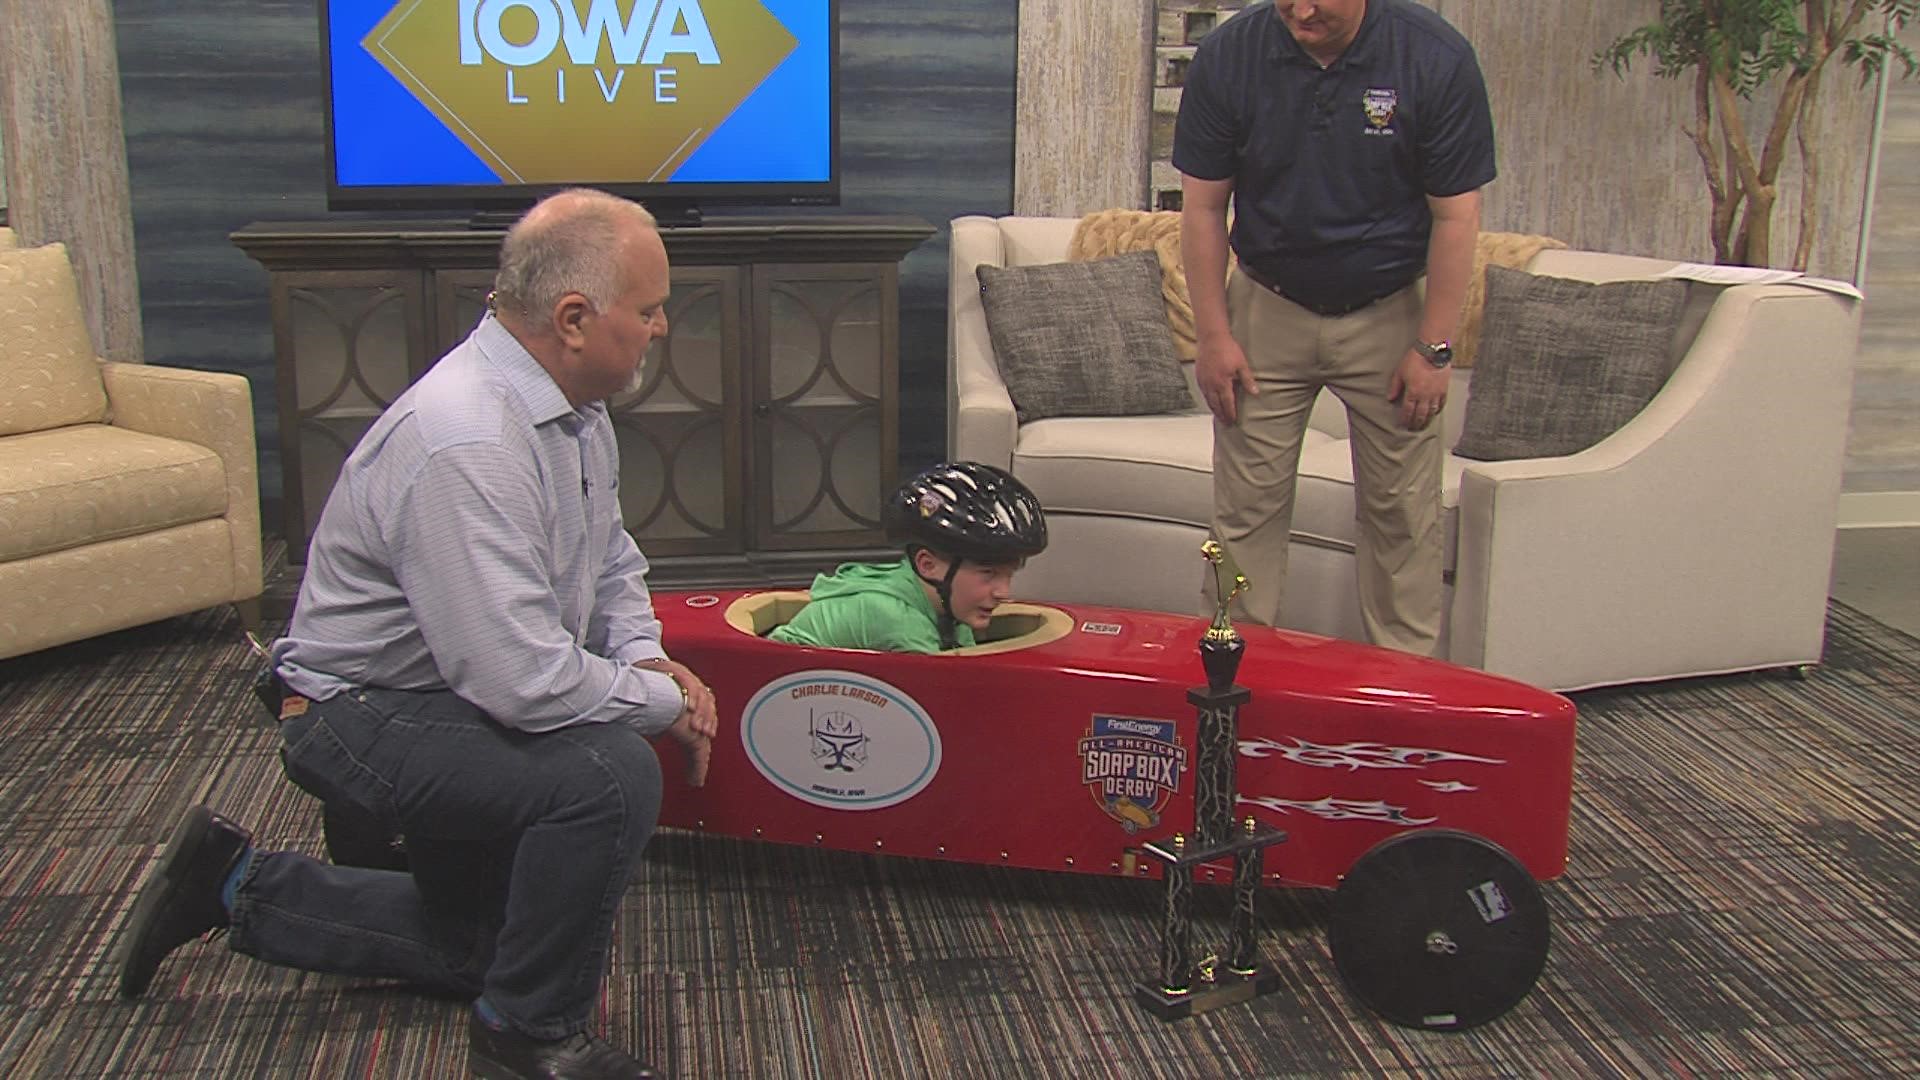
1152 467
79 485
1323 512
48 375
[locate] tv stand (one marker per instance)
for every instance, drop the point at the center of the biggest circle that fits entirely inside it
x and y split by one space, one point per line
675 213
667 213
759 446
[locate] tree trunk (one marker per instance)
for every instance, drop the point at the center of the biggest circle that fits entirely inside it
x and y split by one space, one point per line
1810 182
67 155
1756 229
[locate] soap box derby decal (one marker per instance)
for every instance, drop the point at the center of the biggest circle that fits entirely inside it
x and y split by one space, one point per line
988 754
1132 766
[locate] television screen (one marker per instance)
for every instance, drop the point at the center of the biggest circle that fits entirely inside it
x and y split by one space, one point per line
489 103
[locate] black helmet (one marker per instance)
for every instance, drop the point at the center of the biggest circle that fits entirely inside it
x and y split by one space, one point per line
967 510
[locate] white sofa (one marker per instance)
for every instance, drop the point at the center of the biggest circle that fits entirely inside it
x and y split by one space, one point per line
1696 539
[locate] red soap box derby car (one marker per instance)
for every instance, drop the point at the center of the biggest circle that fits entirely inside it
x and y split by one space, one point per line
1430 795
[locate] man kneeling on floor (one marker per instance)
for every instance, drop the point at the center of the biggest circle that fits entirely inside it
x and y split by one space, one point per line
474 663
967 528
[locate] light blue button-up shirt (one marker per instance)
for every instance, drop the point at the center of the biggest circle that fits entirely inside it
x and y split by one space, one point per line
473 543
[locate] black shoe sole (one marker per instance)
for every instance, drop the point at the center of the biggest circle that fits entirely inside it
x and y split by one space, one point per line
488 1070
162 889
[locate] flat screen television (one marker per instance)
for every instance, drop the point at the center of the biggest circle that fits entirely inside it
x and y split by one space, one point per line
488 104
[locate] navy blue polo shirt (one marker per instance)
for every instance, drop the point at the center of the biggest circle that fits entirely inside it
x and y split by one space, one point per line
1331 167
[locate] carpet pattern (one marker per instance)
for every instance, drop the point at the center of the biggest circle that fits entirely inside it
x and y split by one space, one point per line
1743 896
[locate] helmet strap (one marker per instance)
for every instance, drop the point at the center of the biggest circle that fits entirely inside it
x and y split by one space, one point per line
949 635
949 638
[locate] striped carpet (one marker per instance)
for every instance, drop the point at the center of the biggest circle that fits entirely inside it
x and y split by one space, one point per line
1744 897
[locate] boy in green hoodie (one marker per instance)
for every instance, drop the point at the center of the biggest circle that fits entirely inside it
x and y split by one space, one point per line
966 528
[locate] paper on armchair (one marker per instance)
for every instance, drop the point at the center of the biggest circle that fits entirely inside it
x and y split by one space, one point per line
1715 274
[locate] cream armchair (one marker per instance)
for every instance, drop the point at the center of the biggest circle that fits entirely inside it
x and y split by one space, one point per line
128 492
1696 539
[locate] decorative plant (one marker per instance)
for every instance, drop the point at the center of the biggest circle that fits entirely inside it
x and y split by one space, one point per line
1734 48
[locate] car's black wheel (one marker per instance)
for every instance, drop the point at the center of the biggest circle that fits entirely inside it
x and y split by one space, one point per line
1438 929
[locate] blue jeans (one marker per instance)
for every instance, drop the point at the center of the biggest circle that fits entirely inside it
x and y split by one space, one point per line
519 847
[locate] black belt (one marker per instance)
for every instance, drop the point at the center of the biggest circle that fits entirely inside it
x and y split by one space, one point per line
1345 307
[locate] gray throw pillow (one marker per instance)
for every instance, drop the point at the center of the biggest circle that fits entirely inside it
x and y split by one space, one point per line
1084 338
1563 364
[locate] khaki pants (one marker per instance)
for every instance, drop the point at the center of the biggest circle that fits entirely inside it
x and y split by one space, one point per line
1293 353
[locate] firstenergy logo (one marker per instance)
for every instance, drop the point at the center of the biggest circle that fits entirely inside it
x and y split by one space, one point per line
525 84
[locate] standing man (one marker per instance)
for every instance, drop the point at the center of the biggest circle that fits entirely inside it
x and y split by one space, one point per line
1352 138
474 663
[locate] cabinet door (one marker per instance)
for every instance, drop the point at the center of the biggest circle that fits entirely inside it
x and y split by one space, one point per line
680 453
459 299
348 343
826 380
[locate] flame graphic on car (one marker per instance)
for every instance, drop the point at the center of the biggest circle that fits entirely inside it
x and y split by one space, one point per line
1356 755
1331 809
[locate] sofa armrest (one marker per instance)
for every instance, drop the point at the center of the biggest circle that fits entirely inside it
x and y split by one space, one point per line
982 425
210 409
1697 538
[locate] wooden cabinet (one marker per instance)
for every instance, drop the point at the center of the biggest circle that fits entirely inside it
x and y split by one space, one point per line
759 444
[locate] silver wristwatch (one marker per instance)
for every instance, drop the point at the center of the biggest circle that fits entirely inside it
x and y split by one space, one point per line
1439 353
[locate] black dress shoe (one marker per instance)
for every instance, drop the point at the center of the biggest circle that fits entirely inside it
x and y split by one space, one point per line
181 900
506 1054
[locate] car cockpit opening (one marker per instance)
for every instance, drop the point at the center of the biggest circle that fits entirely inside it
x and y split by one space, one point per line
1014 626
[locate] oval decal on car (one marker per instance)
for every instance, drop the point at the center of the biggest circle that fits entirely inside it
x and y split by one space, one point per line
840 739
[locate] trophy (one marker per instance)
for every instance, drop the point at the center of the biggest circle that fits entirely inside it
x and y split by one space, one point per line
1222 646
1183 988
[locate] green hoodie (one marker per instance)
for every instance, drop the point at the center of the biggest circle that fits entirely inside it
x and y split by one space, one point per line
867 606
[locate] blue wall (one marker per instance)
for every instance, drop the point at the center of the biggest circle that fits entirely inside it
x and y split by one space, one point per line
224 127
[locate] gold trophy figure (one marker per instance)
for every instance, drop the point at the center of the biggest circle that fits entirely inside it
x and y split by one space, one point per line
1221 646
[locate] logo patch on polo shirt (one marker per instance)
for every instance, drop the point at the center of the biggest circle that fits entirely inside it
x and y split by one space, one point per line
1380 103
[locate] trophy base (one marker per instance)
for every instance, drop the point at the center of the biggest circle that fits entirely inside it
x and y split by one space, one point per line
1226 988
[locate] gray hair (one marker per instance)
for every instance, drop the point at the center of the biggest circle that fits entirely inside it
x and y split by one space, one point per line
569 242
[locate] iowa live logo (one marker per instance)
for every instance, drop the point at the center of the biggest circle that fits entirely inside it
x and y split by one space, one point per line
525 84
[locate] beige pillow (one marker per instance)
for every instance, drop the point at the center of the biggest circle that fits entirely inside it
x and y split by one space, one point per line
49 376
